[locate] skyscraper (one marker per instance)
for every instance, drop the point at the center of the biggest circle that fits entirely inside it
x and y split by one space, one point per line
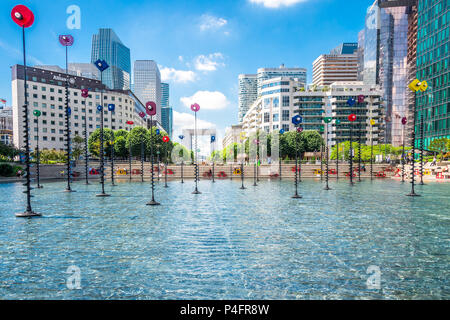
164 94
248 93
340 65
433 65
385 61
147 83
106 45
167 119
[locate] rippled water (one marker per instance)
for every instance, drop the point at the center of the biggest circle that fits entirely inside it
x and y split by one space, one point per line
227 243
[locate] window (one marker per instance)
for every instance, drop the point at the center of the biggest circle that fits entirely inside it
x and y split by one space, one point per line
276 117
285 115
266 103
276 102
275 127
266 117
285 101
285 127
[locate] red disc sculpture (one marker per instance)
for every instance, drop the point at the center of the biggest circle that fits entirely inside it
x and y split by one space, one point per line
166 139
130 123
352 117
22 16
84 93
150 108
195 107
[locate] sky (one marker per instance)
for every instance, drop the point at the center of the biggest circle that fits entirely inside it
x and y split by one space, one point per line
201 46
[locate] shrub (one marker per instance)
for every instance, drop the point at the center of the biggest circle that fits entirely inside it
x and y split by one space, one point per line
6 170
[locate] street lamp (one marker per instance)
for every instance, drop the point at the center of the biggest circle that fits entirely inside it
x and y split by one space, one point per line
85 94
37 114
196 108
67 41
101 66
112 142
415 86
150 108
297 120
24 17
182 159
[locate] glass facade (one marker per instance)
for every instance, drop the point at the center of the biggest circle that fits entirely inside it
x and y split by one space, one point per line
147 83
247 93
167 120
270 73
164 95
106 45
433 59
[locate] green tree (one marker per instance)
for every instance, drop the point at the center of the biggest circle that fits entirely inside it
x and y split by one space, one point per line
78 147
120 147
312 140
94 142
440 146
137 136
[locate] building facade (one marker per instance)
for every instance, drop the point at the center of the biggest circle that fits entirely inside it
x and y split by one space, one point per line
433 66
46 93
232 135
385 61
283 98
6 125
248 93
167 120
270 73
340 65
147 83
165 95
106 45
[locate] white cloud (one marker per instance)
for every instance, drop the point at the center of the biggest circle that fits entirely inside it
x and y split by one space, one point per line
208 22
182 76
208 100
277 3
209 62
182 120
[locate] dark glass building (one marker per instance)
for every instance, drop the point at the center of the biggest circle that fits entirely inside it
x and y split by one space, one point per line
433 60
106 45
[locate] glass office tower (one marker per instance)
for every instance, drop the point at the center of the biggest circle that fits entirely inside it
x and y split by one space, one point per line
433 60
106 45
147 83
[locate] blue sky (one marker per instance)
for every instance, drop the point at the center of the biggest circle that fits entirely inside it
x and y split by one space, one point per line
201 45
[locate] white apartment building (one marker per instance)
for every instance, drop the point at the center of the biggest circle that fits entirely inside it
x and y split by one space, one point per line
6 125
330 68
232 135
147 83
270 73
283 98
46 93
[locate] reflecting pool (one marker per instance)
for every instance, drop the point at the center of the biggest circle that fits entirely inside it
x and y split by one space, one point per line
227 243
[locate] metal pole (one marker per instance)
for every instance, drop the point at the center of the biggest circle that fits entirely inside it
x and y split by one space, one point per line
422 137
153 202
242 175
213 161
28 212
86 155
351 154
371 153
142 160
196 159
327 187
413 193
359 150
337 158
130 155
403 154
296 195
112 152
68 146
254 175
102 153
159 162
182 164
321 163
165 168
38 156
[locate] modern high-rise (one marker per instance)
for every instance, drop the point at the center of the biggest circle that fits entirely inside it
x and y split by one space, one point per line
165 89
107 46
248 92
385 61
167 120
282 71
433 66
340 65
147 83
85 70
